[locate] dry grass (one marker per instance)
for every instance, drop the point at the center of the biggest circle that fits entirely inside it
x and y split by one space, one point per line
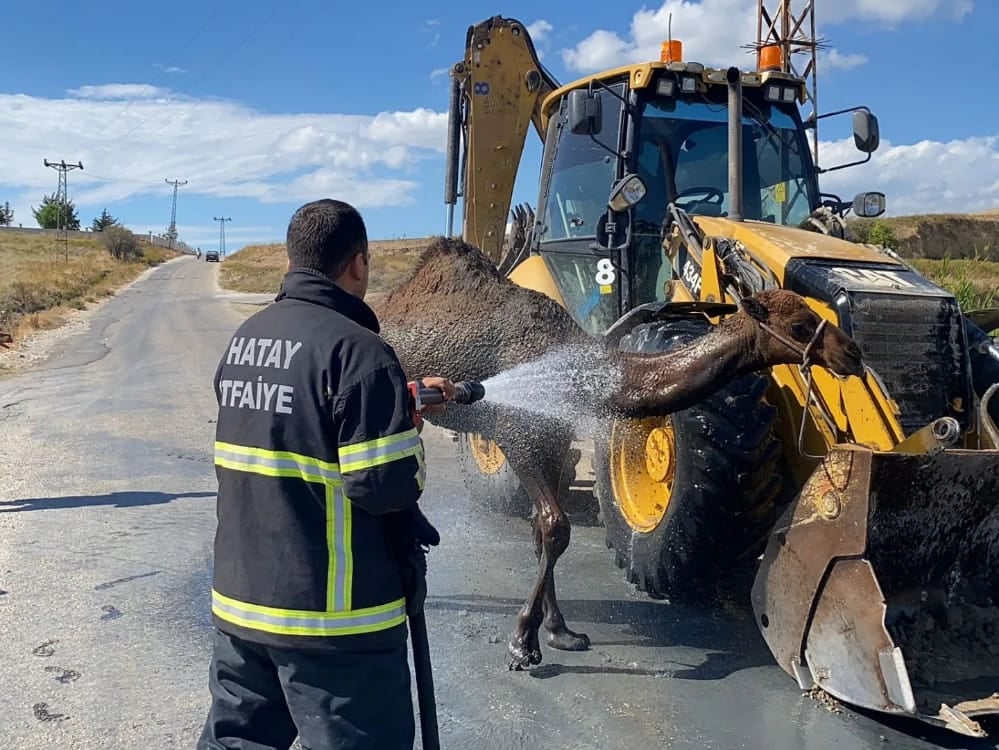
260 268
38 286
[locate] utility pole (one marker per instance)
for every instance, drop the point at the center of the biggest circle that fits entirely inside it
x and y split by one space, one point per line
62 197
172 231
221 235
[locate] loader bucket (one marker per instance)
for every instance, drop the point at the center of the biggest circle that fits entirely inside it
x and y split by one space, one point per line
878 583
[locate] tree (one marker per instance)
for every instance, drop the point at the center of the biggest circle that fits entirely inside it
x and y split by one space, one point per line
47 215
883 234
121 243
103 221
6 215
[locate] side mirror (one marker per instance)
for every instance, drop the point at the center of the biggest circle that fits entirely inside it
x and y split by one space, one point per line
869 205
866 135
628 191
585 114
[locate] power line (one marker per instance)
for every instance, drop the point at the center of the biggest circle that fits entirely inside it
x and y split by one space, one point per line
62 200
118 140
221 234
176 58
172 231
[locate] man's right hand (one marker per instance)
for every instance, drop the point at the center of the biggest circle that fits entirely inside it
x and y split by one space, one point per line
442 384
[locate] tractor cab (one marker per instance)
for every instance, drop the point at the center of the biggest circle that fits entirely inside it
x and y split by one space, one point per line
620 147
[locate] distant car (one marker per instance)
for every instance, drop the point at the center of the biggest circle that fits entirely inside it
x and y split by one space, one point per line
212 255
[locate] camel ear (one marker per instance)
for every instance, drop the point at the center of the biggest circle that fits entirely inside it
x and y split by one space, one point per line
755 309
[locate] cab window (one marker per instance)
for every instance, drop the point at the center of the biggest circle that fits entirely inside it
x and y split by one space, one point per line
582 174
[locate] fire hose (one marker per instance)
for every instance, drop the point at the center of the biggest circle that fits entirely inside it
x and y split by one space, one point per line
465 392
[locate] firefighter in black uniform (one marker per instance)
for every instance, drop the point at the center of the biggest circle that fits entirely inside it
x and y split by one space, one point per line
320 468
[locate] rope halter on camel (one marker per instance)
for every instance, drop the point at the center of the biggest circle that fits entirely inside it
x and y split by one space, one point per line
806 367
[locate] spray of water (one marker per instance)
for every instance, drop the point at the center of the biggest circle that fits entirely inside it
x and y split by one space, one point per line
564 384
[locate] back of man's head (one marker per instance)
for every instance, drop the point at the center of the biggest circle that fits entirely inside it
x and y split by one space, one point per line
324 235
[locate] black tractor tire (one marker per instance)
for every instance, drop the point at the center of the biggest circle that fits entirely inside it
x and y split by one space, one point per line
727 477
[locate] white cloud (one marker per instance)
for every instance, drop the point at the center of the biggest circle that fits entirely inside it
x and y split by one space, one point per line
439 73
121 91
835 59
221 148
890 12
432 26
170 68
539 30
714 32
926 177
540 33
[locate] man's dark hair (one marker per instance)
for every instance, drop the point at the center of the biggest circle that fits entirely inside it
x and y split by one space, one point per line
324 235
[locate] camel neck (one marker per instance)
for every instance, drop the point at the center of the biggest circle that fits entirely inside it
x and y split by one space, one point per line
674 380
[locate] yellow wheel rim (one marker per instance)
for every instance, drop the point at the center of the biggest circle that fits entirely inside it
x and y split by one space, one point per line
642 469
486 454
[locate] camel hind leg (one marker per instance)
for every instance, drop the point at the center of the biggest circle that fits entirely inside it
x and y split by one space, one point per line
539 473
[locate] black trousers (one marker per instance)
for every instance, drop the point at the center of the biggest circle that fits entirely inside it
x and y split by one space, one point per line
262 698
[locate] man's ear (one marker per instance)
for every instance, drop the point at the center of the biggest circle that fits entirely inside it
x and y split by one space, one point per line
755 309
356 267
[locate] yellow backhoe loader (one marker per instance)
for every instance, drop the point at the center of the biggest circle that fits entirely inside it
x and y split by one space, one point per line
864 510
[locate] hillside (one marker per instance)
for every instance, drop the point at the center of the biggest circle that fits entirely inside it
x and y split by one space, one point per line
937 236
38 285
259 268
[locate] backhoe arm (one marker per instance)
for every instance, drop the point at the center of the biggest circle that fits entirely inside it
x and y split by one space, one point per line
496 91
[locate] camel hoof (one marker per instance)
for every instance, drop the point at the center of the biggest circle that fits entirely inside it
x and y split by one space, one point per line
522 657
566 640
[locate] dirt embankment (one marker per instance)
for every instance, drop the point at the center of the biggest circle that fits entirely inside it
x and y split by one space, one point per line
937 236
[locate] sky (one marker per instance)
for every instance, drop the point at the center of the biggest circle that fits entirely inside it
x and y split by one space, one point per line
263 106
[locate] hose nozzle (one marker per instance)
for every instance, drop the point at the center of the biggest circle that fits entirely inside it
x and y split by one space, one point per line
468 391
465 392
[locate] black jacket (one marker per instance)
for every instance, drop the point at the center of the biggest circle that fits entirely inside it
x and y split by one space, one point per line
315 450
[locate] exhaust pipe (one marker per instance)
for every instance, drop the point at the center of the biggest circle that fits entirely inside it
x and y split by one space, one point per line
452 149
734 78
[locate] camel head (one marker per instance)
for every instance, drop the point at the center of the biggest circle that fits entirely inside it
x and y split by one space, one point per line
786 314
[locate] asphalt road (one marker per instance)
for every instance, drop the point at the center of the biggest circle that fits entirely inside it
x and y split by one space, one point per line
106 523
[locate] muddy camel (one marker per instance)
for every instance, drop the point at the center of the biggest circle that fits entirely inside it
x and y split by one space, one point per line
457 315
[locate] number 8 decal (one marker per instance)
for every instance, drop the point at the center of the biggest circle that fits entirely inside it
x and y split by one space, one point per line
605 272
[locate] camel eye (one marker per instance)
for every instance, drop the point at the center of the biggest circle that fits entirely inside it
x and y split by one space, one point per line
803 331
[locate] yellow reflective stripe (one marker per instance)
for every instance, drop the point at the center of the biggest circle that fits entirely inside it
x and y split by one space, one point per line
339 576
276 463
304 622
421 471
340 568
266 453
379 451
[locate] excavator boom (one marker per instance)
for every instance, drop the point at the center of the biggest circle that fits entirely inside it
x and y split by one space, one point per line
500 86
